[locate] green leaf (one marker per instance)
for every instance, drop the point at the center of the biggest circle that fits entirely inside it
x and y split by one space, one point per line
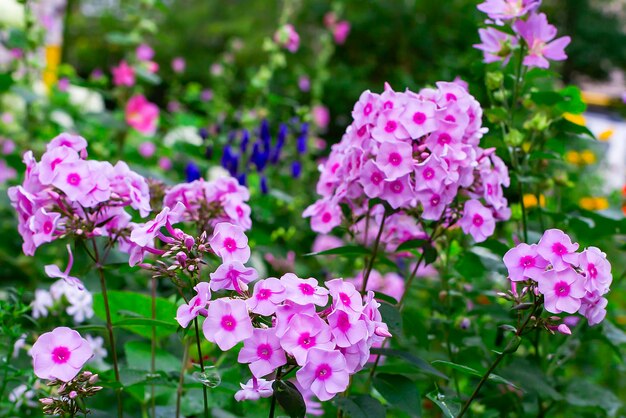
392 317
582 392
139 353
288 396
468 370
421 364
430 255
140 306
362 406
6 81
450 409
411 244
345 250
399 391
531 379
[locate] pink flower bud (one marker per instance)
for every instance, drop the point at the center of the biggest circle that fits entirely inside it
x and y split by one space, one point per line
73 394
382 332
564 329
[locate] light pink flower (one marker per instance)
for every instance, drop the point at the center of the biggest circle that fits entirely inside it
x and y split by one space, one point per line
325 215
230 242
596 268
143 235
325 373
263 352
556 247
321 116
60 354
266 297
477 220
345 296
254 390
593 307
123 75
144 52
539 36
227 323
178 64
43 225
347 327
286 311
496 45
197 305
304 333
146 149
524 262
232 275
562 291
395 160
304 291
142 115
507 9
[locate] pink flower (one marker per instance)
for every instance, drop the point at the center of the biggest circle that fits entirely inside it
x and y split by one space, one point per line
144 52
372 179
593 307
178 64
325 242
230 242
304 83
75 142
395 160
477 220
142 115
596 269
263 352
496 45
304 291
398 192
507 9
524 262
43 225
231 276
60 354
55 272
539 36
197 305
75 179
254 390
341 32
562 291
325 215
146 149
227 323
347 327
123 75
304 333
321 116
288 38
556 247
418 118
52 159
267 295
143 235
286 311
345 296
324 373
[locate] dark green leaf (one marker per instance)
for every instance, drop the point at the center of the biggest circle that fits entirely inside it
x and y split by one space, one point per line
468 370
399 391
392 317
288 396
582 392
345 250
411 244
449 408
361 406
421 364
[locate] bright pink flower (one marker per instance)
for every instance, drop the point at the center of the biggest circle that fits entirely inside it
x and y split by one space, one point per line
230 242
366 109
43 225
55 272
523 262
341 32
254 390
593 307
418 118
304 291
178 64
60 354
304 333
144 234
347 327
562 291
325 373
395 160
231 275
596 269
75 142
227 323
267 295
239 212
142 115
496 45
197 305
477 220
75 179
556 246
288 310
144 52
123 75
321 116
52 159
398 192
372 179
263 352
325 215
389 127
288 38
499 10
539 36
345 296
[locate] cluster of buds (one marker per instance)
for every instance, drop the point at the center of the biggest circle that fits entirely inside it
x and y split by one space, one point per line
70 396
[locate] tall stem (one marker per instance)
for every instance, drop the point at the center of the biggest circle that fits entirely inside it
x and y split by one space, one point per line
372 258
204 389
181 379
107 310
153 345
273 403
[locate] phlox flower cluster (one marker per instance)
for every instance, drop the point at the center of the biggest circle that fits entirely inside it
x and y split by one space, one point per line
530 29
65 194
324 331
76 302
569 281
419 153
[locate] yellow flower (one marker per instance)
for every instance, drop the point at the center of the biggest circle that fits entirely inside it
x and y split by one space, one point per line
587 157
572 157
601 203
530 200
593 203
577 119
53 58
606 135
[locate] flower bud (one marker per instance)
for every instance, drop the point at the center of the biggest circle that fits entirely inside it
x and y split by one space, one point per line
465 323
382 332
189 241
564 329
494 79
73 394
514 138
181 258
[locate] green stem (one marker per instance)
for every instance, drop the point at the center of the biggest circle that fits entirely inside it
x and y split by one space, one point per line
181 379
204 389
372 258
153 346
273 403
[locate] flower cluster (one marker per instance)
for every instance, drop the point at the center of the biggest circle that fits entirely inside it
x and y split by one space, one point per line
76 302
418 153
569 281
324 332
67 194
530 30
287 37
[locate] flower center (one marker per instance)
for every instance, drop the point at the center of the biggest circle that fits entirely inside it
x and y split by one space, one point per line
230 244
345 299
343 322
47 227
367 109
55 162
428 173
527 261
395 159
228 322
306 289
559 249
397 187
323 371
419 118
326 217
444 138
306 340
73 179
264 294
434 201
477 220
561 289
239 211
362 130
61 355
264 351
450 97
376 178
450 118
388 105
391 126
593 272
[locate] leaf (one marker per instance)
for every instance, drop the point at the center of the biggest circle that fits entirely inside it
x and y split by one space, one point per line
139 353
392 317
421 364
430 255
468 370
582 392
288 396
345 250
399 391
531 379
362 406
411 244
449 409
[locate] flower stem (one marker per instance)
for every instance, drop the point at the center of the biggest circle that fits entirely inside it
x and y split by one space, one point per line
204 389
153 345
273 403
372 258
181 379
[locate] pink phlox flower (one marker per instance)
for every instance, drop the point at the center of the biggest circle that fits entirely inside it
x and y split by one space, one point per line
347 327
60 354
254 390
263 352
539 36
556 247
562 291
227 323
266 297
196 306
304 333
477 221
596 269
500 10
345 296
142 115
496 45
304 291
144 235
230 242
524 262
54 272
123 75
232 275
324 373
288 310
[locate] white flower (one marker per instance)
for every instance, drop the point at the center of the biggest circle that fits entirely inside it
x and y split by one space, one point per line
11 14
80 301
19 344
217 172
99 352
62 119
43 301
87 100
21 393
188 134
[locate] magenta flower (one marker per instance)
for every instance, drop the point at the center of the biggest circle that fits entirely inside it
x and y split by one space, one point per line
345 296
556 247
418 118
593 307
324 373
372 179
55 272
304 83
43 225
523 262
477 221
146 149
304 291
496 45
230 242
286 311
499 10
254 390
144 52
539 36
196 306
60 354
231 276
75 179
395 160
142 115
325 215
596 269
227 323
123 75
263 352
144 234
288 38
178 64
562 291
304 333
267 295
341 31
398 192
347 327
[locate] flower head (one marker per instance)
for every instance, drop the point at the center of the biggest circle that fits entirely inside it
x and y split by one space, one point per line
227 323
60 354
254 390
477 221
539 36
230 242
142 115
197 305
324 373
123 75
263 352
562 291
